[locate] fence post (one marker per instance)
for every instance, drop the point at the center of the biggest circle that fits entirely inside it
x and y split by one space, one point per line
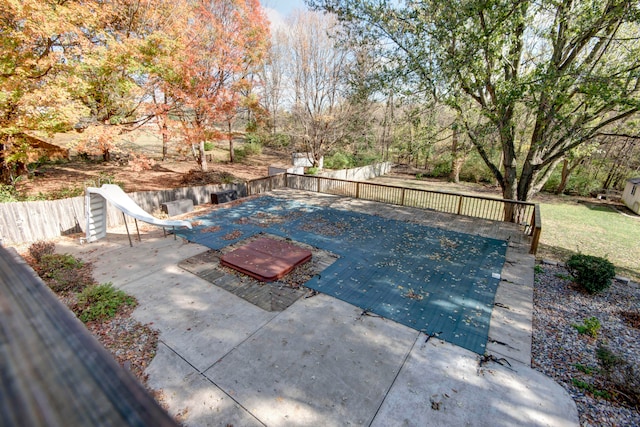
318 181
357 190
246 184
537 230
402 198
459 205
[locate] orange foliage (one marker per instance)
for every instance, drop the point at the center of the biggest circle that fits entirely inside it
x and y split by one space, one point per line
223 42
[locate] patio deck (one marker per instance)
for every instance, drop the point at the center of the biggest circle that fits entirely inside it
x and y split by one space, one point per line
322 361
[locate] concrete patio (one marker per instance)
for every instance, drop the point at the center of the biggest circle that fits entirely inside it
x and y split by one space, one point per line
223 361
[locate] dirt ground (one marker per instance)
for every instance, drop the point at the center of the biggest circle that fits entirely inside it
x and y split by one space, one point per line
177 171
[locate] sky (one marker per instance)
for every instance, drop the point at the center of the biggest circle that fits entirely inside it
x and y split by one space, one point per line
278 9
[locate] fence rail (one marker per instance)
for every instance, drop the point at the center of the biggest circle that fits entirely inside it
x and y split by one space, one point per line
525 214
31 221
266 184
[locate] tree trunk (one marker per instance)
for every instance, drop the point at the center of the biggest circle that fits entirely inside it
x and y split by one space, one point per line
202 158
5 172
564 178
456 158
510 184
165 139
232 155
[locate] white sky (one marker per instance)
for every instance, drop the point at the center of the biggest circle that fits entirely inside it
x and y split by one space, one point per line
278 9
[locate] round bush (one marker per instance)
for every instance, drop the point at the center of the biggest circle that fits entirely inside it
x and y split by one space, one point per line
593 273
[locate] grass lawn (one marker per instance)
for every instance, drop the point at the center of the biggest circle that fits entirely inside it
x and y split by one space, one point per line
569 228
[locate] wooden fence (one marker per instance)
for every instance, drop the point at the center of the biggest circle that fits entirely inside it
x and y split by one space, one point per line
266 184
24 222
32 221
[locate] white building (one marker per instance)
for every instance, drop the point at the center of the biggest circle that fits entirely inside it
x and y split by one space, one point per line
631 195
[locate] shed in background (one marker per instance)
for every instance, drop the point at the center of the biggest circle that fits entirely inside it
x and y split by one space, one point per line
631 194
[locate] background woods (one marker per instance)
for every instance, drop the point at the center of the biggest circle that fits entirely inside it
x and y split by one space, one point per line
526 96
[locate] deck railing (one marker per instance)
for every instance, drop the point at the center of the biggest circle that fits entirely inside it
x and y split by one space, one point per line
525 214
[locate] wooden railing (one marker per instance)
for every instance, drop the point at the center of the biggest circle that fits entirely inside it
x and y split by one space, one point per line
53 371
266 184
525 214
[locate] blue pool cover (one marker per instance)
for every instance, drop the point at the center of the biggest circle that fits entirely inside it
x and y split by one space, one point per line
436 281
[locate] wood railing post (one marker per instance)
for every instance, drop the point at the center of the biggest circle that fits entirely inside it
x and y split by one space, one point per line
460 205
318 181
537 229
402 198
357 190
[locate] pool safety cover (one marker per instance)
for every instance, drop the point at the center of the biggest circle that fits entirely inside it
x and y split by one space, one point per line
436 281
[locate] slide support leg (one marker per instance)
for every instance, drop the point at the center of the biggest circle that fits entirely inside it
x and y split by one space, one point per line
127 227
137 229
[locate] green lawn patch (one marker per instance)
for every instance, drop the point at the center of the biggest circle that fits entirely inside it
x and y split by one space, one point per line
570 228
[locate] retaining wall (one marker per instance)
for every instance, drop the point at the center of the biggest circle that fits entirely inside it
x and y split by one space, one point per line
359 174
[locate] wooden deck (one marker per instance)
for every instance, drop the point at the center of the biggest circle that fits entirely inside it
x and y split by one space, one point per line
53 372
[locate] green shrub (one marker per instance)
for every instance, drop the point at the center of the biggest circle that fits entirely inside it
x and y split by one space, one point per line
584 368
311 171
607 358
278 140
101 302
591 326
579 183
253 138
442 168
582 184
552 183
253 148
338 160
239 154
365 158
591 389
475 170
246 150
63 272
592 273
208 146
8 193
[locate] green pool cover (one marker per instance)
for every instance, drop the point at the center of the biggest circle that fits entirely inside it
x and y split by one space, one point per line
436 281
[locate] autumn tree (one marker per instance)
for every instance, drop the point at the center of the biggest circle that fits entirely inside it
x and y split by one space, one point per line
40 44
573 65
71 62
221 43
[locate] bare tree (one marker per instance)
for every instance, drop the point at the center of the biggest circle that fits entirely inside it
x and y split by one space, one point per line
318 65
272 77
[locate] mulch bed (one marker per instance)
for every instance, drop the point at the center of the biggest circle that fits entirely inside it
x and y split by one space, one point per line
604 395
132 344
